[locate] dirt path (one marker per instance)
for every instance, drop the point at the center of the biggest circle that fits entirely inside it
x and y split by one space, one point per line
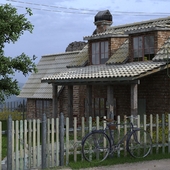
163 164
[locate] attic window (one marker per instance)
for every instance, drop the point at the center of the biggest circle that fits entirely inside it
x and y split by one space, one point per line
143 48
99 52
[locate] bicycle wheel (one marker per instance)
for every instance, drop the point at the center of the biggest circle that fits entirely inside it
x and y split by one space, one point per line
139 143
96 147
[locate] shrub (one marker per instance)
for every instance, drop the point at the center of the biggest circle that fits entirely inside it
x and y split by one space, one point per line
16 115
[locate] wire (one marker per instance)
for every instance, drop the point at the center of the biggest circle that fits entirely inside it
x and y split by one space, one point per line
86 11
52 6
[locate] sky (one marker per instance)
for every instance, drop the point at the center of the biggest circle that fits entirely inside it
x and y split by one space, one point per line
57 23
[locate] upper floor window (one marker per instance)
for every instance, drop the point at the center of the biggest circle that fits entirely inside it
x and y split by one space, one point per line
99 52
143 48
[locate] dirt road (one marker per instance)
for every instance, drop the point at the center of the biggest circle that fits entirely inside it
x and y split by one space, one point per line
163 164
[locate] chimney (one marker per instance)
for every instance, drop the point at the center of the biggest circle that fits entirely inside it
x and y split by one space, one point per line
102 20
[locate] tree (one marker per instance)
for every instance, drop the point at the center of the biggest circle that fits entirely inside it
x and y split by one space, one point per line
12 26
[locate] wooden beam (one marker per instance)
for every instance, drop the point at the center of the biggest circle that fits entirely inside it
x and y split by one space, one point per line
55 100
88 107
110 102
134 99
70 105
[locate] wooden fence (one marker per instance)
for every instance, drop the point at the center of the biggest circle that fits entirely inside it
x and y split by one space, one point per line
29 136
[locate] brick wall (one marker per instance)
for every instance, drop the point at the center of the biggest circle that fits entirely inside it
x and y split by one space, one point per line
156 90
161 37
115 43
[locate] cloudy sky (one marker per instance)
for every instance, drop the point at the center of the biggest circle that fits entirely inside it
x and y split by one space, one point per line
60 22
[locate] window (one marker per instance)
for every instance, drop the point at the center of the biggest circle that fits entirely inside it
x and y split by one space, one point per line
143 48
99 52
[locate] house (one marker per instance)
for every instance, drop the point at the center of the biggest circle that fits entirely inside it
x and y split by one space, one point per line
124 70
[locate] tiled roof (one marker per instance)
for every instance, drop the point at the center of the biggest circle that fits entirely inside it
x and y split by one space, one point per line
122 29
112 73
120 56
48 65
164 53
81 59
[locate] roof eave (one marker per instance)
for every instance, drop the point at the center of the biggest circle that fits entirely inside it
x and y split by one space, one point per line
104 36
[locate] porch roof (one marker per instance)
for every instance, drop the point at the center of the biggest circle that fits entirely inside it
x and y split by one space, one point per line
106 73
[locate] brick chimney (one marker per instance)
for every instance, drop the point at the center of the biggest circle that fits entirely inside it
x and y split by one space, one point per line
102 20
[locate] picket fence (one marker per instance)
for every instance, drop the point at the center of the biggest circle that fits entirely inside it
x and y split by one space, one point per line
27 139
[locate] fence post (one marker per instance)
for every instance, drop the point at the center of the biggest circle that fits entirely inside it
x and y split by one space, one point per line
44 140
9 143
61 138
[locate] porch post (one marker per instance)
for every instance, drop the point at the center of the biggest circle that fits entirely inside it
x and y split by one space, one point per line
134 99
55 101
110 102
70 105
88 106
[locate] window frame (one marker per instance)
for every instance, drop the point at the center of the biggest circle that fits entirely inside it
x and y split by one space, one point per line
139 50
99 52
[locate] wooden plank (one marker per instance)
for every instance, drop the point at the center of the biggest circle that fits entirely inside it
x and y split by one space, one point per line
75 138
169 133
25 144
57 141
30 144
125 131
118 128
34 143
21 145
144 122
83 126
151 128
82 132
1 145
90 124
55 100
38 144
16 145
67 141
134 99
52 142
157 133
110 102
70 105
13 155
97 122
163 133
88 107
48 143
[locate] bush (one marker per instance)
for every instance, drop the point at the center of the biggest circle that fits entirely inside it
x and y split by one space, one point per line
16 115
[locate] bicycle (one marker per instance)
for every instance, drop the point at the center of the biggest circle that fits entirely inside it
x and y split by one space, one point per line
98 144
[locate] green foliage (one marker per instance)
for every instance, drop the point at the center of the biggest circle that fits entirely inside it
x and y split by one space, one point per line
12 26
16 115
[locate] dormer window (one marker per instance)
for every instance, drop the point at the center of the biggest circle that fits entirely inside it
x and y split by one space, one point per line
99 52
143 48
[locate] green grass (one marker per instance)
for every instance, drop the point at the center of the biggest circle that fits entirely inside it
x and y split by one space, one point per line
118 160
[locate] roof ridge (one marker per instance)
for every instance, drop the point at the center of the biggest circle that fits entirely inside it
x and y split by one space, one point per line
139 23
63 53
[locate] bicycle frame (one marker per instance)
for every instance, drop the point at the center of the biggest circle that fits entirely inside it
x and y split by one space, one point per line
125 137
